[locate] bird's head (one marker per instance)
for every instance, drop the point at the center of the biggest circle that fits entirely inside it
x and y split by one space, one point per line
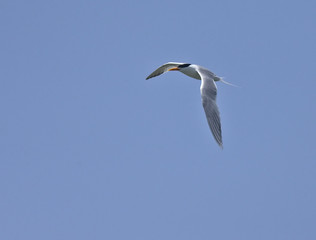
188 69
180 67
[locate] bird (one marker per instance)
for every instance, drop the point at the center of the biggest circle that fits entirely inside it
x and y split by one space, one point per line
208 91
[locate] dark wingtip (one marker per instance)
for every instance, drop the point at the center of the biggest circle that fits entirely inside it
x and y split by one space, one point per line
151 76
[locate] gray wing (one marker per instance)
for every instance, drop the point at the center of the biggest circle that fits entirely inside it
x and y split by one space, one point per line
164 68
208 94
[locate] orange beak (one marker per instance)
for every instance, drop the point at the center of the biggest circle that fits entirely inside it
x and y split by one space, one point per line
173 69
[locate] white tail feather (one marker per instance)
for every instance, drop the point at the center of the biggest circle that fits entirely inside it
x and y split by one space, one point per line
221 79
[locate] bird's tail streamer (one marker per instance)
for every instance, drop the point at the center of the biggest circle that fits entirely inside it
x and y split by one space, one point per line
221 79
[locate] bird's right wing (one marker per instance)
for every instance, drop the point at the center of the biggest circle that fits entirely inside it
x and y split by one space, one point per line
164 68
208 94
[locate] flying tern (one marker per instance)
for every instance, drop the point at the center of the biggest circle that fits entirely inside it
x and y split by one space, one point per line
208 91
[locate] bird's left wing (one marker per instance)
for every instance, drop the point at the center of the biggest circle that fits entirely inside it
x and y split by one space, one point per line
164 68
208 94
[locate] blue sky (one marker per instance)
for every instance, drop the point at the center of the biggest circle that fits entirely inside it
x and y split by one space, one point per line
90 150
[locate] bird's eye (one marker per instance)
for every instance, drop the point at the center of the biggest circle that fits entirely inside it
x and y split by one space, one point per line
184 65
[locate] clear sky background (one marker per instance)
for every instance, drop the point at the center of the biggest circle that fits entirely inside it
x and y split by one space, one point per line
90 150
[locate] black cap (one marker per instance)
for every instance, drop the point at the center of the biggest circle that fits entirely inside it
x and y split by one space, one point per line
184 65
